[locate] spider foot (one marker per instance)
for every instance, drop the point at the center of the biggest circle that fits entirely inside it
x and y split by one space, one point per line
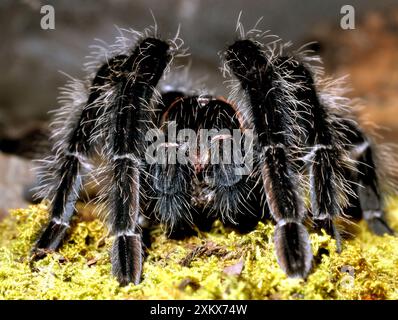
293 249
379 226
50 240
127 257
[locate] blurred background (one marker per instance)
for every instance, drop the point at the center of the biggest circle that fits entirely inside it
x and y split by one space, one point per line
31 58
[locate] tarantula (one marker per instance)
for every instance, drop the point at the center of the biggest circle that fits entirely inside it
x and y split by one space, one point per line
301 140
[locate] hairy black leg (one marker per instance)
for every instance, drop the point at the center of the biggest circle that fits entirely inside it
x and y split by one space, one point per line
69 161
124 202
369 194
172 186
368 203
172 179
227 174
235 198
251 205
325 163
173 192
271 119
291 237
62 207
129 122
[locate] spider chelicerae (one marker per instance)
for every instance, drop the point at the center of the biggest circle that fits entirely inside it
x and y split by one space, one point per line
294 135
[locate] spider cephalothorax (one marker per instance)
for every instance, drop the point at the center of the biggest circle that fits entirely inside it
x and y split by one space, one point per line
292 137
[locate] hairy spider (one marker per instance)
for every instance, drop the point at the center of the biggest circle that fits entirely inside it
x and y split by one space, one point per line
295 134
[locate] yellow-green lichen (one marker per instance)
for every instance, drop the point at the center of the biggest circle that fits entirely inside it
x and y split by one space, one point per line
221 264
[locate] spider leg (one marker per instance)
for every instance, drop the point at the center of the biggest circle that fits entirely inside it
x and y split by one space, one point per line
172 180
368 202
329 189
126 150
172 187
271 118
233 191
70 163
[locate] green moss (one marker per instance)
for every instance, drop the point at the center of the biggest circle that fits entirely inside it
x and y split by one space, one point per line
204 267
